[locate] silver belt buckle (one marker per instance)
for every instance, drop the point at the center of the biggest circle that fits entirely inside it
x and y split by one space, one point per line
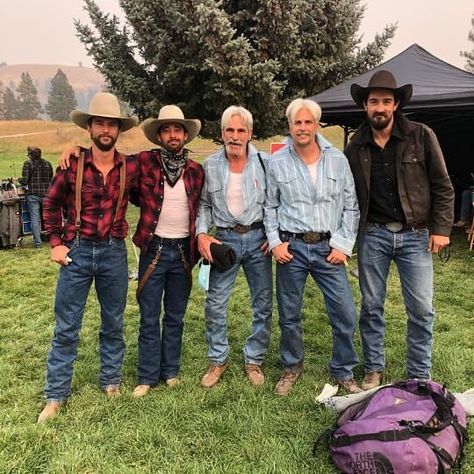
394 226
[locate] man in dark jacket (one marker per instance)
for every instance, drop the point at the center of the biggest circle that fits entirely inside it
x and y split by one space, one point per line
36 174
406 202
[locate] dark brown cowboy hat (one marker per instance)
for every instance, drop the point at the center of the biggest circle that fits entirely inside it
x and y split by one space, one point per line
382 80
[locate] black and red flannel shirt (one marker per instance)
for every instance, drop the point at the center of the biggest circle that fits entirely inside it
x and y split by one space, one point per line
98 202
150 195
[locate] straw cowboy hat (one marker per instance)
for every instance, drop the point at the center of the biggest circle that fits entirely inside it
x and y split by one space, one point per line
382 80
170 114
103 104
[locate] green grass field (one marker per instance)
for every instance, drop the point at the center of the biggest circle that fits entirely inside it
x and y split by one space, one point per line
233 428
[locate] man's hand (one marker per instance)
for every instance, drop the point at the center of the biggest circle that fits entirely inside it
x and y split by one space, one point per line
281 253
204 242
336 257
63 162
264 248
59 255
437 243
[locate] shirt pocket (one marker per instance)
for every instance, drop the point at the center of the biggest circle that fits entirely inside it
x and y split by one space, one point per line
334 184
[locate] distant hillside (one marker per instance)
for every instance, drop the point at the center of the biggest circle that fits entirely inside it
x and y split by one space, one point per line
85 81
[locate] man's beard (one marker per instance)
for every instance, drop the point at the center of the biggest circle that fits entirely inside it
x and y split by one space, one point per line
104 146
379 122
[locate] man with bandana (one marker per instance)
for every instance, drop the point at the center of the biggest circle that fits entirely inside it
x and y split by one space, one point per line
232 200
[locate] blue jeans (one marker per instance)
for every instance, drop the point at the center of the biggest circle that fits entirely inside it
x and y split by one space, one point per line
409 250
332 281
105 263
258 272
159 351
34 206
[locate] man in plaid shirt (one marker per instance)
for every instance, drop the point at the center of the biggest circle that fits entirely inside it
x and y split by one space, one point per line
86 232
36 174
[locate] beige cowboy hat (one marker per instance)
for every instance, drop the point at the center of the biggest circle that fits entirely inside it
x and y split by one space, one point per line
170 114
382 80
103 104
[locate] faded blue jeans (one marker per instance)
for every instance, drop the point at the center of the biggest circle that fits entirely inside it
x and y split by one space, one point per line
159 347
34 206
258 272
310 259
377 248
105 263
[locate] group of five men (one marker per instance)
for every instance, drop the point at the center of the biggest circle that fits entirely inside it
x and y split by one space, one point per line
300 205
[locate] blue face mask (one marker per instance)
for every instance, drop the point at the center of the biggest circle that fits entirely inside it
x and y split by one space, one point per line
203 277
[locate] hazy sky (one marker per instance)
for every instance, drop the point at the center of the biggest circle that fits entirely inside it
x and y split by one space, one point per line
42 32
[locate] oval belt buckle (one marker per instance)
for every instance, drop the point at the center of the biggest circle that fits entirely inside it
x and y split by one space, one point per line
394 226
311 237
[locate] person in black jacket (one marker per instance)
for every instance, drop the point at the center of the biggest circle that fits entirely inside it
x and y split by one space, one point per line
406 202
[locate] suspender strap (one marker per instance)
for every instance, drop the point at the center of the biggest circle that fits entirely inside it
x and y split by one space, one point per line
79 176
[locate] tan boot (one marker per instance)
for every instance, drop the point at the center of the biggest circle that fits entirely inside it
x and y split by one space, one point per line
213 374
255 374
349 385
49 411
112 391
287 380
141 390
172 382
372 380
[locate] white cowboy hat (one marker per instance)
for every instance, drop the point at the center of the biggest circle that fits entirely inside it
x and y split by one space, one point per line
170 114
103 104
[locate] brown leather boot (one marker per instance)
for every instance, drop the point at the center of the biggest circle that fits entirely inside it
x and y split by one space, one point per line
349 385
254 374
372 380
213 374
287 380
141 390
49 411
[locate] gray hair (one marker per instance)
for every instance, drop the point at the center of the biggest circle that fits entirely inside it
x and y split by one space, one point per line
242 112
296 105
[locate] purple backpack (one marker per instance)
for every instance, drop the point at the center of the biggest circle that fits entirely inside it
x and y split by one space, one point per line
407 427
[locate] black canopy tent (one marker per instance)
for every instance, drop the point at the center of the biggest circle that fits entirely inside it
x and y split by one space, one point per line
443 98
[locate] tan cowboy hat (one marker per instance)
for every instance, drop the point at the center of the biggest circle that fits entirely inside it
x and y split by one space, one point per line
170 114
103 104
382 80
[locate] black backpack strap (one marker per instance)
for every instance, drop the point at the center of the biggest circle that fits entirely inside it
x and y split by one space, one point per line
389 435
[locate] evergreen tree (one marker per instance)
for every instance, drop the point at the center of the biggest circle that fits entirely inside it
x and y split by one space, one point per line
29 106
205 55
9 105
61 98
469 55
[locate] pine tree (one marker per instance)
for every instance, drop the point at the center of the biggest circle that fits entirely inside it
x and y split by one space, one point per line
61 98
205 55
29 106
9 105
469 55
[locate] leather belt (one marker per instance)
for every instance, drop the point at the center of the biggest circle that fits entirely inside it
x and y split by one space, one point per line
307 237
243 229
170 242
396 226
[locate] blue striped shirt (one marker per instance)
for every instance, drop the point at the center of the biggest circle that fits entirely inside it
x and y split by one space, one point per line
213 205
294 205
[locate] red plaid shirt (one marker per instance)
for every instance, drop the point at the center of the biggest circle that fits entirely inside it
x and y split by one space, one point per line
150 195
98 202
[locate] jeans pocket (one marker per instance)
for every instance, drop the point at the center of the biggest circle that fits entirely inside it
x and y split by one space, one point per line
117 243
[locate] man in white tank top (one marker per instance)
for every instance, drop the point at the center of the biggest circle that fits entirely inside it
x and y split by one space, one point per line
232 200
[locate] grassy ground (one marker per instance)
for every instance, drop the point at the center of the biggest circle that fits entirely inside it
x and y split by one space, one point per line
232 428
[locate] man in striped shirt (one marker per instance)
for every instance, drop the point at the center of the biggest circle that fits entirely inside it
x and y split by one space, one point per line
311 219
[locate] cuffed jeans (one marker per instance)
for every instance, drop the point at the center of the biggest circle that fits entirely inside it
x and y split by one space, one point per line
34 207
377 248
332 281
105 263
258 272
159 351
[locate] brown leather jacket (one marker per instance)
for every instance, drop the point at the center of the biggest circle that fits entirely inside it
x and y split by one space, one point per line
424 187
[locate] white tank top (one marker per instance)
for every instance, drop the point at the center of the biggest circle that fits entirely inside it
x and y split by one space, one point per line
312 168
174 218
235 197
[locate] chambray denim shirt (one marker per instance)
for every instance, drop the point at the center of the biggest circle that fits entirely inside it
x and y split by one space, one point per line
213 205
294 205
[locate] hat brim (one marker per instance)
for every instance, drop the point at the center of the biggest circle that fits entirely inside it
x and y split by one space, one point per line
403 93
151 126
81 119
